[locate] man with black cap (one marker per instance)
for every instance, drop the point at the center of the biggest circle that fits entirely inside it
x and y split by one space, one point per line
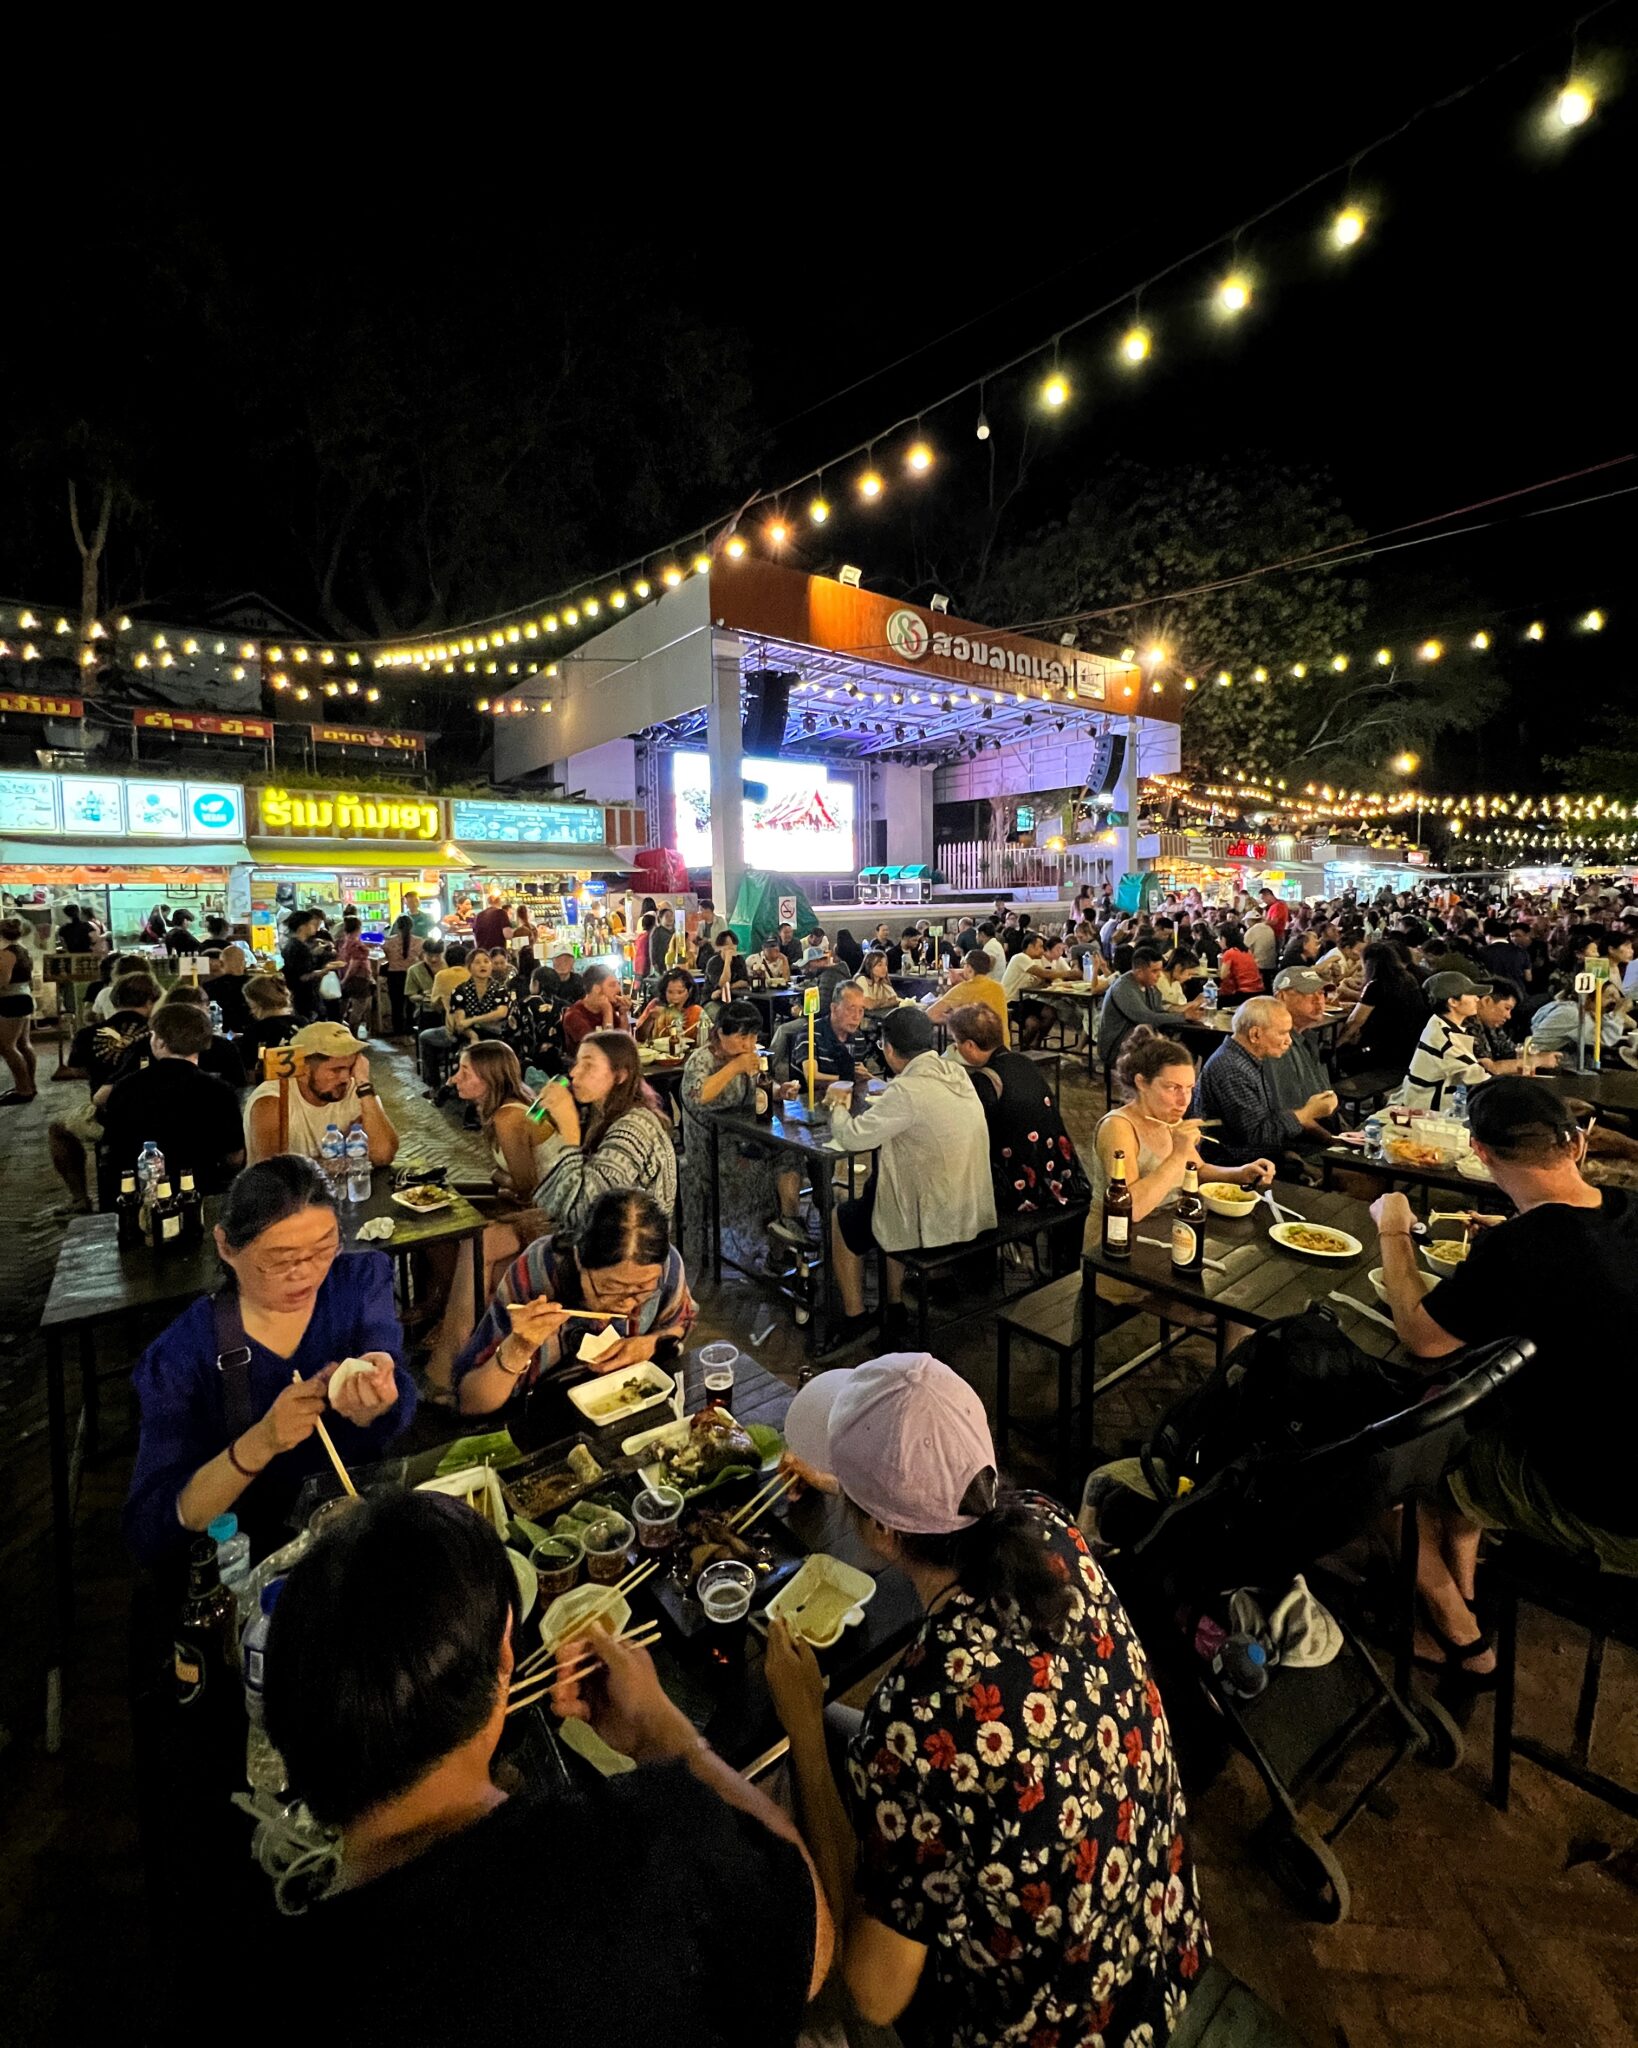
932 1180
1555 1465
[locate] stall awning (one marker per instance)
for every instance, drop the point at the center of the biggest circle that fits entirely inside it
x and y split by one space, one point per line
542 860
129 853
356 856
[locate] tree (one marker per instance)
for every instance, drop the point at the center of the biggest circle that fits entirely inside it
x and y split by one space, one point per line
1169 555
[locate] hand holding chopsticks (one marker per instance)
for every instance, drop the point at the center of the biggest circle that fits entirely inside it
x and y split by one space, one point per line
528 1692
342 1473
628 1584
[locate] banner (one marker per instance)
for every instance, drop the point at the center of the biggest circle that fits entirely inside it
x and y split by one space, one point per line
162 719
42 707
369 736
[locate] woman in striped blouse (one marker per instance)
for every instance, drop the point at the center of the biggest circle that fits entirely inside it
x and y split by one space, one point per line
607 1133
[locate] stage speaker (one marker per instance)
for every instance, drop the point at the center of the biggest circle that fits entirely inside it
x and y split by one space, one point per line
767 697
1107 759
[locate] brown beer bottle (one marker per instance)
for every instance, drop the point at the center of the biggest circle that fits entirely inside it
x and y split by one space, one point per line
1117 1212
1189 1225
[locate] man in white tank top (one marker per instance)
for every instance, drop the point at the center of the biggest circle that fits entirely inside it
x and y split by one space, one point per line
331 1086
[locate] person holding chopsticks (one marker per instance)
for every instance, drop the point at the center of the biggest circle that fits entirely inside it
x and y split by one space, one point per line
231 1395
388 1664
622 1267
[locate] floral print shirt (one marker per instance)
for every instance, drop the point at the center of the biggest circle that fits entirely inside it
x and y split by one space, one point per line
1020 1815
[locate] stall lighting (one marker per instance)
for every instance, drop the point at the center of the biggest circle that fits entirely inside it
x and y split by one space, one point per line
1574 104
735 549
1136 343
1055 391
870 485
919 458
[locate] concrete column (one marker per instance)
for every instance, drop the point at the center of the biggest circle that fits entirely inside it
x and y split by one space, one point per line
723 725
1126 801
907 804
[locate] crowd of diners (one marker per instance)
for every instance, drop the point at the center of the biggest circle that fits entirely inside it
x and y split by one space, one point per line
995 1845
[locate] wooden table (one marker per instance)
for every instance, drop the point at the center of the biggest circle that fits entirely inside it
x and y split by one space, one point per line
1078 992
97 1281
1615 1086
1258 1281
1482 1194
775 1004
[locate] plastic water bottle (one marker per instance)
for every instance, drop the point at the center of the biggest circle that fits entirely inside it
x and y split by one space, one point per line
232 1555
358 1163
333 1151
1458 1102
1241 1666
264 1767
150 1170
1208 998
216 1018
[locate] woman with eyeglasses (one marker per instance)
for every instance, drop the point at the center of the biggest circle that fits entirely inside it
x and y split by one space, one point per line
621 1265
232 1393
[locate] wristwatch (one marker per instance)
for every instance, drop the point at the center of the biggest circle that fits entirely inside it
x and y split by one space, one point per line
367 1089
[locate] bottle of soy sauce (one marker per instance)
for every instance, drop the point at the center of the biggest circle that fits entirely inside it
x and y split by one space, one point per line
1117 1212
1189 1225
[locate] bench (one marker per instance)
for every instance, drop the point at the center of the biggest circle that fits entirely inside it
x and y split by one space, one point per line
924 1264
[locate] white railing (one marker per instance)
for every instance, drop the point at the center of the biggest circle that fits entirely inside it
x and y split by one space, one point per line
972 866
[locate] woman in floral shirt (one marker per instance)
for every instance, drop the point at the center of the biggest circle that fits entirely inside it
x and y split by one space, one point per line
1016 1869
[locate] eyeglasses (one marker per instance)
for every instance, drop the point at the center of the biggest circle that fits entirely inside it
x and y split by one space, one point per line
286 1265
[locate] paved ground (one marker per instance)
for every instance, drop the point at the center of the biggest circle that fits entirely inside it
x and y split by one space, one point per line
1467 1926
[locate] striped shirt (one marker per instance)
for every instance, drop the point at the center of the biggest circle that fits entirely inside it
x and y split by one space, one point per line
1442 1059
637 1151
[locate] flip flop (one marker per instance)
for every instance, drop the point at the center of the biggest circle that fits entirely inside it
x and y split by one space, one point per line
1452 1661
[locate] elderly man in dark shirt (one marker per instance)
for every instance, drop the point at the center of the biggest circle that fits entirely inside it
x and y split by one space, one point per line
1233 1089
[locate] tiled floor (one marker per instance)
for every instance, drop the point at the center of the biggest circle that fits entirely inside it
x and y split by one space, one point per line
1467 1926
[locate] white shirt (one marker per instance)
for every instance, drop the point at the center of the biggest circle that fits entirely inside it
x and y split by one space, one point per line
103 1007
933 1166
998 956
1019 974
308 1120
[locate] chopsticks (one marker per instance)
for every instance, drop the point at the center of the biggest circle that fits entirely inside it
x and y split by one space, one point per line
629 1583
529 1691
760 1502
335 1456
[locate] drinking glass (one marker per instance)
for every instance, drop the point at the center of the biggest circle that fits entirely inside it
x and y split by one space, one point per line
607 1543
657 1511
724 1590
717 1362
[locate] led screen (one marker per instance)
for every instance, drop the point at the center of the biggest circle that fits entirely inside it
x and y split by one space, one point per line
803 826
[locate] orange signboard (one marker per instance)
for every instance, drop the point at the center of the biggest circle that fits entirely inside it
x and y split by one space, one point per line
232 727
42 707
813 611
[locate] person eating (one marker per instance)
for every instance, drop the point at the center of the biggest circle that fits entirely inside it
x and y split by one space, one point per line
1552 1460
332 1085
1009 1861
1154 1131
835 1032
1298 1076
606 1130
673 1013
1233 1089
971 984
763 1192
621 1265
389 1659
600 1008
231 1394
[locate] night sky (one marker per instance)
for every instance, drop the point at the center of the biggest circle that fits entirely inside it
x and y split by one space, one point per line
951 206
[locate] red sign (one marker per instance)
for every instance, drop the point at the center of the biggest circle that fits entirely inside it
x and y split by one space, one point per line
204 721
369 736
1246 849
42 707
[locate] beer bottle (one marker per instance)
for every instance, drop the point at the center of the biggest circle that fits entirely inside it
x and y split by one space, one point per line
165 1220
193 1208
764 1090
1189 1225
128 1208
202 1656
1117 1212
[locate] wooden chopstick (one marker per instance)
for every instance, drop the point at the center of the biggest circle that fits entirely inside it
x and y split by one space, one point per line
632 1580
757 1512
644 1629
764 1497
335 1456
539 1686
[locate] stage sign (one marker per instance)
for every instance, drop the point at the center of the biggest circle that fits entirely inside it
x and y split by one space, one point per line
40 706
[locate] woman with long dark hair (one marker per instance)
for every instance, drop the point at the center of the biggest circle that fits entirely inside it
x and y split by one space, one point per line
608 1132
232 1393
1384 1025
621 1264
1015 1845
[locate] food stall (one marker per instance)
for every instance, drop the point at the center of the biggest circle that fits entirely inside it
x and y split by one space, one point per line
117 846
339 849
551 860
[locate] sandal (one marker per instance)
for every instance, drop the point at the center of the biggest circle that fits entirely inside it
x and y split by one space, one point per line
7 1101
1452 1660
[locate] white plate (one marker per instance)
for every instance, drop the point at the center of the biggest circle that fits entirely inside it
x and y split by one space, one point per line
1281 1235
1471 1167
528 1583
401 1197
596 1397
823 1579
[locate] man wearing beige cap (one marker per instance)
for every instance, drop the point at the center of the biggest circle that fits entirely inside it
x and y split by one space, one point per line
1016 1846
332 1086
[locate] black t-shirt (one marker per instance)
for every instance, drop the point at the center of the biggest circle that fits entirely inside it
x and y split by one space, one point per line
192 1117
642 1909
227 991
1394 1025
101 1048
299 963
1568 1280
221 1058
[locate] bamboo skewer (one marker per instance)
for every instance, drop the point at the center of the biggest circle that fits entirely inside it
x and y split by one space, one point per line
335 1456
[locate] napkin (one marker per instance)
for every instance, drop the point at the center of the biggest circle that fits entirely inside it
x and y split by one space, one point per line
348 1369
599 1344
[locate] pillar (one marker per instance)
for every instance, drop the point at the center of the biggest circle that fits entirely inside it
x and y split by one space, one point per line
723 732
1126 802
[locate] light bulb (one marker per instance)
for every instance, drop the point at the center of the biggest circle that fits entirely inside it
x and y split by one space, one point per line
920 457
1136 344
1384 656
1299 669
1480 641
702 565
550 622
592 607
778 533
1155 654
870 485
1430 650
818 511
570 616
1224 679
1574 104
1339 662
1535 630
671 577
617 600
1234 293
735 549
1348 227
1055 391
642 587
1593 623
983 428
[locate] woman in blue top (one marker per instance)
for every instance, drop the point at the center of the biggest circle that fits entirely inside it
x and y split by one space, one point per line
241 1433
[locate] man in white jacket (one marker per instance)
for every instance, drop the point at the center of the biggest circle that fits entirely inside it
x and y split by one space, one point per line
932 1181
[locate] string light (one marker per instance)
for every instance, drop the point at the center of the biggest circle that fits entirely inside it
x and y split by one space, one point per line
642 586
1234 293
1259 675
702 565
818 511
1055 391
617 600
1136 344
870 485
919 458
1430 650
735 548
1593 622
1535 630
1384 657
671 577
1480 641
778 533
1574 104
1348 227
1339 662
1299 669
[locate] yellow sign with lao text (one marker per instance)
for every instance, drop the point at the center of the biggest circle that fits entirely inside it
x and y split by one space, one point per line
346 814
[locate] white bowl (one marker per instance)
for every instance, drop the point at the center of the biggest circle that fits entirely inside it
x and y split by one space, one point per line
1428 1281
1439 1267
1221 1203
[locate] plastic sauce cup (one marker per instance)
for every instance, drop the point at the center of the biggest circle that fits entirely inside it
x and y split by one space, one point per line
607 1544
657 1511
557 1564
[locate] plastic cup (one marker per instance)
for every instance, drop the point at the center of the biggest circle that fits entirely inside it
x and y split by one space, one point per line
724 1590
608 1543
717 1362
657 1511
557 1561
